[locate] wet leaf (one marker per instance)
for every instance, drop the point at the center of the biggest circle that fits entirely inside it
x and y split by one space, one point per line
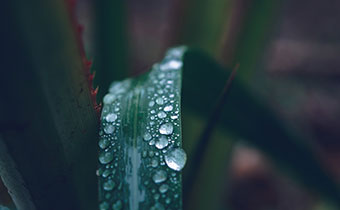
140 154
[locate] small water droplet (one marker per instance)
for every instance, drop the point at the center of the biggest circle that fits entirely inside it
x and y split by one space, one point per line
166 128
118 205
175 159
109 185
151 153
168 108
152 142
159 101
147 136
163 188
103 143
109 98
174 117
151 103
154 163
156 196
157 206
162 142
111 117
159 176
106 173
104 206
168 200
161 115
105 157
109 129
171 64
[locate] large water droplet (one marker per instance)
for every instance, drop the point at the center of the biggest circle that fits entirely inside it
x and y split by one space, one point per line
159 176
109 129
147 136
163 188
161 115
109 185
166 129
162 142
168 108
175 159
105 157
111 117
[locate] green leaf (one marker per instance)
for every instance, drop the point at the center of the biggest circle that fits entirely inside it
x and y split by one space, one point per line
140 156
48 123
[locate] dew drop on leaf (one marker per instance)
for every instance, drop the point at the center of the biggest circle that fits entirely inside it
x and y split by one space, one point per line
111 117
109 129
147 136
159 176
105 157
163 188
159 101
103 143
118 205
162 142
109 185
161 115
166 128
175 159
168 108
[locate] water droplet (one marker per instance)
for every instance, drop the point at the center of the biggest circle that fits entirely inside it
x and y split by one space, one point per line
159 176
168 200
147 136
111 117
105 157
109 129
99 172
174 117
106 173
163 188
176 159
118 205
151 103
104 206
168 108
157 206
172 95
152 142
159 101
109 185
161 115
109 98
156 196
172 64
162 142
103 143
166 129
154 163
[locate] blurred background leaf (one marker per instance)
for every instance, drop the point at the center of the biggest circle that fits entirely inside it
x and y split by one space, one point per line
48 120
